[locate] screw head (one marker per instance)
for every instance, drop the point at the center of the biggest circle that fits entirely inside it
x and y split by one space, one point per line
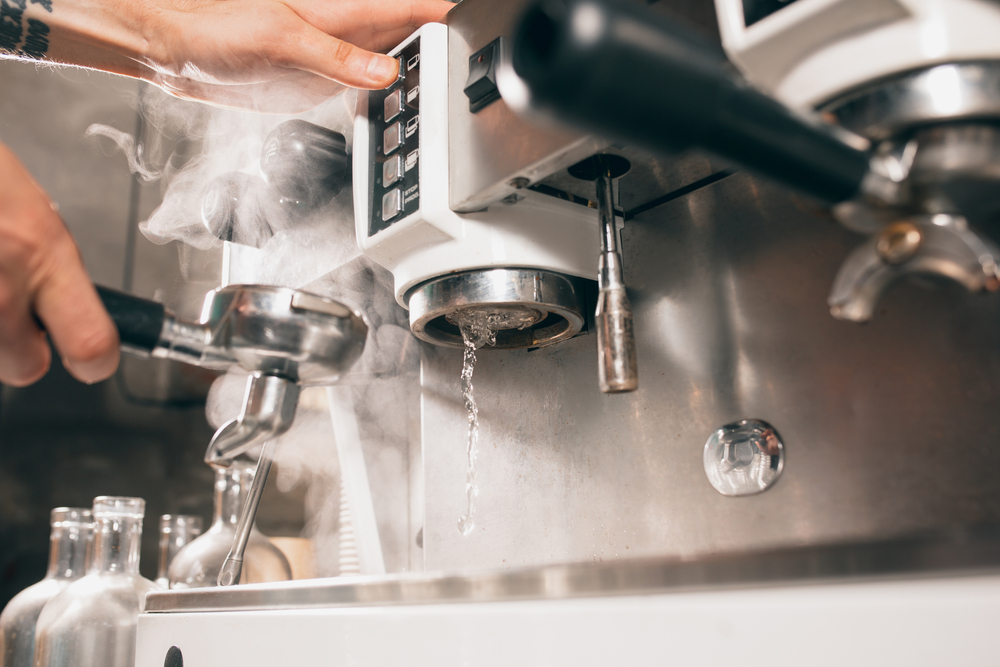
744 458
519 183
899 242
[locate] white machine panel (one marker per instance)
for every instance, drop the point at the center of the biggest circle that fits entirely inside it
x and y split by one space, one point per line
403 219
929 622
809 51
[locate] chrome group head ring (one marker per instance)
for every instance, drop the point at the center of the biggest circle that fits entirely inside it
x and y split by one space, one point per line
535 307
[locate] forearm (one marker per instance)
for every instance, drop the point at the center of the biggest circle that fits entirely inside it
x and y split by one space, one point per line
100 34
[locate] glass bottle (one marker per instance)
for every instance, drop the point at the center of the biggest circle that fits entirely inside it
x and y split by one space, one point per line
92 622
176 531
71 532
198 564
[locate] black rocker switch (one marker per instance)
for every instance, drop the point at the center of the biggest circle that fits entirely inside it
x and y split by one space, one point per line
481 87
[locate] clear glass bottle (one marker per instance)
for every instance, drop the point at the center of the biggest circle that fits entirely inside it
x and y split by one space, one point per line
198 564
71 532
92 622
176 532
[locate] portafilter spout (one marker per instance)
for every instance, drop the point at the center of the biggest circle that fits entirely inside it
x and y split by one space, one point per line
285 338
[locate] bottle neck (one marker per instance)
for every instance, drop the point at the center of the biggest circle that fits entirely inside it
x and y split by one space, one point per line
232 486
68 546
176 532
116 545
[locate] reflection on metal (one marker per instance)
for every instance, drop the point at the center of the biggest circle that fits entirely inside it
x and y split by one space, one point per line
898 242
728 285
955 552
942 93
286 339
744 458
934 140
537 308
617 367
939 244
271 330
268 410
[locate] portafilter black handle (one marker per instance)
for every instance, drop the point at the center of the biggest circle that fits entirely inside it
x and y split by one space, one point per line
139 321
626 72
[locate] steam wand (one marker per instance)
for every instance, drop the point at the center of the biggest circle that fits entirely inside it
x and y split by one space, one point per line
617 370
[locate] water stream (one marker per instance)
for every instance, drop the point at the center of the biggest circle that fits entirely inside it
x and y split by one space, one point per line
478 329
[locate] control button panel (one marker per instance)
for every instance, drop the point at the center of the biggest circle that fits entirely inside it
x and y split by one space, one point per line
392 170
391 204
393 104
392 138
394 126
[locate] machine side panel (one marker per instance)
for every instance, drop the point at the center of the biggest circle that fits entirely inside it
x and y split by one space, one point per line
493 146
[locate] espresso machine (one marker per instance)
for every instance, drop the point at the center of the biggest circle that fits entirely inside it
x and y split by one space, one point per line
789 236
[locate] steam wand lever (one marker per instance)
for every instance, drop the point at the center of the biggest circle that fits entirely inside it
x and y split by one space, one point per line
616 360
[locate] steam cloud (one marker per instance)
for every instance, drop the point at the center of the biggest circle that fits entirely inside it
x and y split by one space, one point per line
191 145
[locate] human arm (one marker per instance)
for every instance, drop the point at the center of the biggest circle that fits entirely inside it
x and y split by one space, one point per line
266 55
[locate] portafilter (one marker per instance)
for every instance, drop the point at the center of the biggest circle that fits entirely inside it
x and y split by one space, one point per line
285 338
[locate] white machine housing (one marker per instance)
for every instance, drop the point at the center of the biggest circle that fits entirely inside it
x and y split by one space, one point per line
811 51
528 230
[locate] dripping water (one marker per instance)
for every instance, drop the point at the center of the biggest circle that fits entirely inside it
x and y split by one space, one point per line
478 329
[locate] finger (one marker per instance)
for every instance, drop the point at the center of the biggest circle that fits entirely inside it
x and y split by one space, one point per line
24 213
340 61
67 303
24 351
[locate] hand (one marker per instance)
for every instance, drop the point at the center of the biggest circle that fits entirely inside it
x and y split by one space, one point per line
265 55
41 273
278 55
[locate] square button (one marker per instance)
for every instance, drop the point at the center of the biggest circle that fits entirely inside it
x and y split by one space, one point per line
392 138
393 104
392 169
392 204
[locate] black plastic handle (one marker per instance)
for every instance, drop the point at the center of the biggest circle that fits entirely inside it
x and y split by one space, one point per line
626 72
139 321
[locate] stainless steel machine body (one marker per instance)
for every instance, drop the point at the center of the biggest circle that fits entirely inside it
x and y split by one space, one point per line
886 428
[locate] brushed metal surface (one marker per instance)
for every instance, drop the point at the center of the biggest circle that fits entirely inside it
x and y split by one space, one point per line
888 427
959 552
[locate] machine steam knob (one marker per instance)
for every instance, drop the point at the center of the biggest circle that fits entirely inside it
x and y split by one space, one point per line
232 210
305 163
